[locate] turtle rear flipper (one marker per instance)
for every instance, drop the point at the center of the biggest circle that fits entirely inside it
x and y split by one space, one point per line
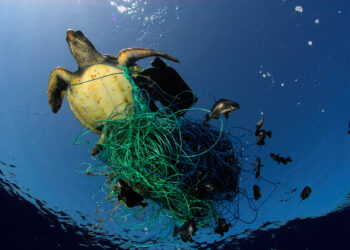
58 85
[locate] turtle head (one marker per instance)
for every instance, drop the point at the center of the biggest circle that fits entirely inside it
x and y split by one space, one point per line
81 48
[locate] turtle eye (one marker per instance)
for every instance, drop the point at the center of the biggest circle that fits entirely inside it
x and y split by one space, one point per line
79 33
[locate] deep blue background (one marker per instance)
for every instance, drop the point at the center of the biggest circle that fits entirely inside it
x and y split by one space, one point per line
254 52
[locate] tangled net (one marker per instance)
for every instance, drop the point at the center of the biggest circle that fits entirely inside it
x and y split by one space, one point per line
182 168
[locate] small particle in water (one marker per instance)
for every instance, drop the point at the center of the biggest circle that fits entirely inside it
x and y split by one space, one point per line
299 9
264 75
298 103
309 43
282 84
339 11
322 110
112 3
261 113
268 74
317 21
296 80
114 18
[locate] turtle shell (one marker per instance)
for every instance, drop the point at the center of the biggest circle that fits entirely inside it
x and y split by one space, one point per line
98 91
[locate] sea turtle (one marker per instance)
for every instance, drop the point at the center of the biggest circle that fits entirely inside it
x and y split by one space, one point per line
99 87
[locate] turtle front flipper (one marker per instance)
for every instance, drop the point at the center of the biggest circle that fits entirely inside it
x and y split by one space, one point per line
58 84
128 57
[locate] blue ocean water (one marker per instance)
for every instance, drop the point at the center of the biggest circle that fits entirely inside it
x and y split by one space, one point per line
285 61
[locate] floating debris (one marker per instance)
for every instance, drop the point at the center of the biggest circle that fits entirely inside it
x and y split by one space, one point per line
305 193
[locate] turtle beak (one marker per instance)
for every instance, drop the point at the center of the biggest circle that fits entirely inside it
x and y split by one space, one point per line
70 35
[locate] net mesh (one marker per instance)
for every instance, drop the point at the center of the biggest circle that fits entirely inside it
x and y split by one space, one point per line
181 167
